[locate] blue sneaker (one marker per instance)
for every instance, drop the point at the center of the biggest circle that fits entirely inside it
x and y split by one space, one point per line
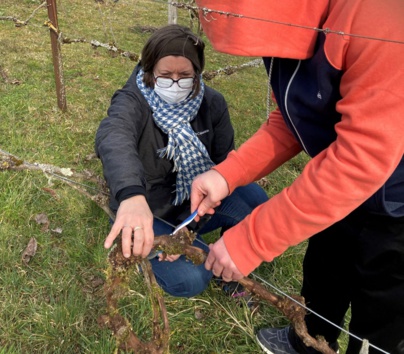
275 341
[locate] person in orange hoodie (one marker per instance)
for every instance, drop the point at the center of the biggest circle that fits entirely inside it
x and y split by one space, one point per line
337 73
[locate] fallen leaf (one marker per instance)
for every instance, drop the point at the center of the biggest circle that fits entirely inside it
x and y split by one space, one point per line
90 157
66 171
41 219
51 192
96 282
199 315
29 251
263 182
58 230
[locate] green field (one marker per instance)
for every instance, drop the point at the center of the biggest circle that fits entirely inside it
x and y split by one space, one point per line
51 304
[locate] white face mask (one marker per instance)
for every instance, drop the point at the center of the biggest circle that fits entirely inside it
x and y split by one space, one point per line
173 94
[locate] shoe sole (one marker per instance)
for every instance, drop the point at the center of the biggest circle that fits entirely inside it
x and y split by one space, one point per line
266 350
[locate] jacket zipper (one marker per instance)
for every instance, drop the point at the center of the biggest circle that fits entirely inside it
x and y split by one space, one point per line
287 111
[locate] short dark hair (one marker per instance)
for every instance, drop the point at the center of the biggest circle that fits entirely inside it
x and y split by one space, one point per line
173 40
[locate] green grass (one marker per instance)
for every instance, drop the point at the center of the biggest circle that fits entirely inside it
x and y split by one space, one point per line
52 304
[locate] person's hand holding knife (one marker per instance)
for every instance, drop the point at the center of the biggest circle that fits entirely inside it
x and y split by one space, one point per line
207 192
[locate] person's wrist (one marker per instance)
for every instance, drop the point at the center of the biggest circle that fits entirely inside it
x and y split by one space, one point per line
135 198
129 192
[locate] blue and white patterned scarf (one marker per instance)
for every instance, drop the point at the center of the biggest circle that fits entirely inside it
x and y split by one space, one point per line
186 150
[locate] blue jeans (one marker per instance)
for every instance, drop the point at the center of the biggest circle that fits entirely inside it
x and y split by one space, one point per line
184 279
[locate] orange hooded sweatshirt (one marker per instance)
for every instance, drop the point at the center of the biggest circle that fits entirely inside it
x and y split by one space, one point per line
340 98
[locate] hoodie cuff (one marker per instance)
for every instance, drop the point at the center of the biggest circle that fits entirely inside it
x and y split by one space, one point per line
230 170
240 249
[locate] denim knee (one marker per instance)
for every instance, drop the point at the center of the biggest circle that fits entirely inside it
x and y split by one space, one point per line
181 278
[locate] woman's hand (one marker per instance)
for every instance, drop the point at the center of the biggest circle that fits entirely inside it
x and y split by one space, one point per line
133 217
168 257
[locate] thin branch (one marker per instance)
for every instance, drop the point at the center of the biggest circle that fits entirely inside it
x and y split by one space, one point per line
231 69
11 162
19 23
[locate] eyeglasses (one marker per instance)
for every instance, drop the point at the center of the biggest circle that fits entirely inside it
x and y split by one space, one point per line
166 82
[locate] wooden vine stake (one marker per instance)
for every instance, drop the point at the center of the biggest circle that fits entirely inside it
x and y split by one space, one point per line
172 13
56 53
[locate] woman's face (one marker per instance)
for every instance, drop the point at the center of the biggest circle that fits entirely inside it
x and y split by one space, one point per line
174 67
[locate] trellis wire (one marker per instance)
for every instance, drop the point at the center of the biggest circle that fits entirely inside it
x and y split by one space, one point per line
207 11
54 30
